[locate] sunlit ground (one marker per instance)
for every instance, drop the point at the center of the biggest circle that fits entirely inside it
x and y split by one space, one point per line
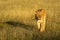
17 21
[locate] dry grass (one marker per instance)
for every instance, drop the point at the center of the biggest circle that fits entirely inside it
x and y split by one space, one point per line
22 25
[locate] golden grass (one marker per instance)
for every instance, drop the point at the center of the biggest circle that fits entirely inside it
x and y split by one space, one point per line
23 11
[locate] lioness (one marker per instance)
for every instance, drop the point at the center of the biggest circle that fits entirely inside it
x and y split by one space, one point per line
40 16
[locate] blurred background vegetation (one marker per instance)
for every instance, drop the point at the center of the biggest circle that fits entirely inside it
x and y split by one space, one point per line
17 20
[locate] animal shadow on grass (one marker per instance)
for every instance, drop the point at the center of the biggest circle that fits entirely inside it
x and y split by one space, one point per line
19 24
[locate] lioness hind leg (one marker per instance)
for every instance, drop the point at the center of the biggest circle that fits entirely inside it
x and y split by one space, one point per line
43 25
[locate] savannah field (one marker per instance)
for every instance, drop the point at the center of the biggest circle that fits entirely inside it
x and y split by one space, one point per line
17 21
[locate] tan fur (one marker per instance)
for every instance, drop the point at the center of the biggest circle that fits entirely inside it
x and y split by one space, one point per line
41 14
